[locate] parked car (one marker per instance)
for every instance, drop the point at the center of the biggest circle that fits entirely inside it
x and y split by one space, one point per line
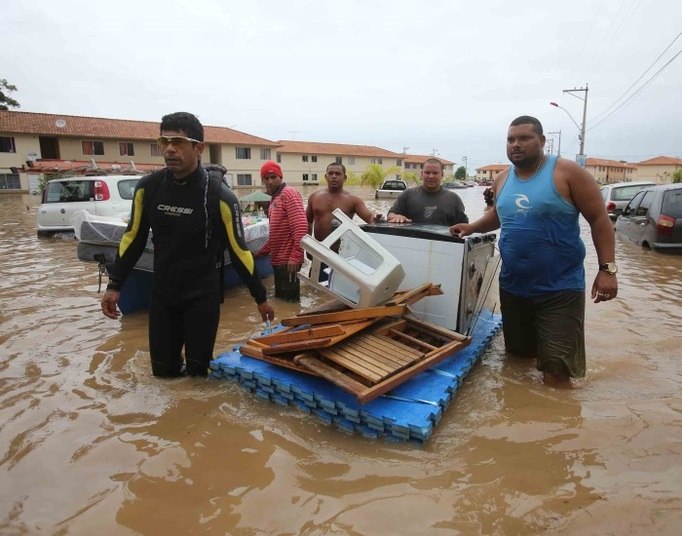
390 189
617 195
653 218
454 185
102 195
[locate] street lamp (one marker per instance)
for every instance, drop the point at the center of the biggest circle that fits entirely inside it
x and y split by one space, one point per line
581 127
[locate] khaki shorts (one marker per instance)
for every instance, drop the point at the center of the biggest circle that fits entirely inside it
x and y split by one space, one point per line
550 327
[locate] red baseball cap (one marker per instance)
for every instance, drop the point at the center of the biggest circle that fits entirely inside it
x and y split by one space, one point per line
269 168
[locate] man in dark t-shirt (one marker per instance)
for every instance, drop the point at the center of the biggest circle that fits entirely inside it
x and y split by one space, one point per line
430 202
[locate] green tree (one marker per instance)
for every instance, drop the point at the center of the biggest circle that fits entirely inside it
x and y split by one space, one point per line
410 176
7 102
375 174
677 176
461 173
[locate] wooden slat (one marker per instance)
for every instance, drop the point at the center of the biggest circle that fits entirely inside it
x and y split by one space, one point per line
414 295
342 316
296 346
384 344
312 363
300 334
413 340
396 356
341 357
447 333
372 392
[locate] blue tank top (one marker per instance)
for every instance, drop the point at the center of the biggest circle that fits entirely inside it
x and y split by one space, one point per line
540 240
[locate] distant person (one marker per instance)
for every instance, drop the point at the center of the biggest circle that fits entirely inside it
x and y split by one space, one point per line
537 203
488 197
288 225
193 218
429 202
322 203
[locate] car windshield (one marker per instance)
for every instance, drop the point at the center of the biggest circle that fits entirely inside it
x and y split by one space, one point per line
394 185
626 193
672 203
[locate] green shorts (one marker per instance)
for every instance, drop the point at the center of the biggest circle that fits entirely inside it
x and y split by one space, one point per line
550 327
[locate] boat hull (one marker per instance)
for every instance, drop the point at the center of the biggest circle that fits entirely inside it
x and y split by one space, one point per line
99 237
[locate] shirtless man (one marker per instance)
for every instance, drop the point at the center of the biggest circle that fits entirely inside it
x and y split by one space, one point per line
322 203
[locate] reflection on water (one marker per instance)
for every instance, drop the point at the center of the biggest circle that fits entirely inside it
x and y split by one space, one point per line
90 440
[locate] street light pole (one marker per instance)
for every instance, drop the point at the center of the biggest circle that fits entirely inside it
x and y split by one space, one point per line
581 127
558 132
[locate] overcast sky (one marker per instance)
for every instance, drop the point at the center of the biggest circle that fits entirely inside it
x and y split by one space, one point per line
443 76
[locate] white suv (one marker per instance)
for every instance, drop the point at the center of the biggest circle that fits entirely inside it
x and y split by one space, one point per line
102 195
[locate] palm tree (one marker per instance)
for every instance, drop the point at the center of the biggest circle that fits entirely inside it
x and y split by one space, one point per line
375 174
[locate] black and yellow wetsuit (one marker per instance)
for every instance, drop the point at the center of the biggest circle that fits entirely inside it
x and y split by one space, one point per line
185 302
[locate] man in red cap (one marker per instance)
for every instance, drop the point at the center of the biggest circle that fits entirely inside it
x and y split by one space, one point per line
288 224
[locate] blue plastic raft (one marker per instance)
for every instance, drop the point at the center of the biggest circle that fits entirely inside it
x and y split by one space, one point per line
408 412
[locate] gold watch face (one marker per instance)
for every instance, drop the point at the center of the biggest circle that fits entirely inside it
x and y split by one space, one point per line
611 267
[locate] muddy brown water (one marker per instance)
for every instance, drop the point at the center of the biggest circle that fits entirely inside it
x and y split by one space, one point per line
91 443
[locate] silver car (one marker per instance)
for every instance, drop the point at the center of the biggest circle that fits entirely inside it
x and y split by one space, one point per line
653 218
617 195
102 195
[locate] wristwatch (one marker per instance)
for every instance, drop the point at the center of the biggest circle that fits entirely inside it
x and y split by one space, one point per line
609 267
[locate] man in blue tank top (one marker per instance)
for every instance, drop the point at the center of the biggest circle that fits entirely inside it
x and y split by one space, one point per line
537 203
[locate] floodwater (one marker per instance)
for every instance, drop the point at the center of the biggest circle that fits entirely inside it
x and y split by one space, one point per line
91 443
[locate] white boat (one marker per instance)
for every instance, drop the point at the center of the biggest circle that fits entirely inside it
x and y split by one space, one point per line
99 236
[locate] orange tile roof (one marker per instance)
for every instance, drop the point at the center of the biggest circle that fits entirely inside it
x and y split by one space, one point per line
662 161
493 167
420 159
608 163
336 149
86 166
98 127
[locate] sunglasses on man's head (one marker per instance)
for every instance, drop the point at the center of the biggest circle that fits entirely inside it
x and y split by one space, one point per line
165 141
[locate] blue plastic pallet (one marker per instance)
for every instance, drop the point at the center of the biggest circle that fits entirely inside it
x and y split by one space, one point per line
408 412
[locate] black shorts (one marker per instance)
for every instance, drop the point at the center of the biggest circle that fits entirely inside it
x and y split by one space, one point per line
550 327
287 285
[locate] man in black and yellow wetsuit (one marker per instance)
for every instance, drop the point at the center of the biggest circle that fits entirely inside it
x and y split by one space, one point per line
174 203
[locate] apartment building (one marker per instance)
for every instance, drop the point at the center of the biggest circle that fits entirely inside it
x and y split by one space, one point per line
610 171
35 144
659 170
304 162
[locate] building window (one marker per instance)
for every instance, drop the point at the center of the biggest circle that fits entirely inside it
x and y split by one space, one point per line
305 177
155 149
313 158
126 148
399 162
7 145
243 153
338 160
377 161
91 148
279 158
351 160
313 177
9 181
265 153
244 179
304 158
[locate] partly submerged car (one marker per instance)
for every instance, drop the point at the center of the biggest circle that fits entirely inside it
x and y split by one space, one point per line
101 195
617 195
653 218
390 189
